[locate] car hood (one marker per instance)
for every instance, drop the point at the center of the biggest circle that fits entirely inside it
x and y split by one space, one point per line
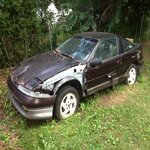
42 66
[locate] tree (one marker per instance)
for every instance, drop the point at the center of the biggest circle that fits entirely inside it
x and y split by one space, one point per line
131 18
123 17
24 29
27 27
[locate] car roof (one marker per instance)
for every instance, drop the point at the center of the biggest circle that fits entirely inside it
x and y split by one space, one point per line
96 35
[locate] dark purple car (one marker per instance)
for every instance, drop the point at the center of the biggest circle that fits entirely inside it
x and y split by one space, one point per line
53 83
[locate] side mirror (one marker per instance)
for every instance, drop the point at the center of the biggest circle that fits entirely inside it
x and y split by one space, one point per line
95 62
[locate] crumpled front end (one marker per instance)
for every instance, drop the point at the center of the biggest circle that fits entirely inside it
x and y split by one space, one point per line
32 105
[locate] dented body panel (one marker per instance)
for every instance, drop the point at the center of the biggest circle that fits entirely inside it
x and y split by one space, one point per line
42 66
73 73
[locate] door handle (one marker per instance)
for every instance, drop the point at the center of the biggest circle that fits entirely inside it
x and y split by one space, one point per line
119 61
133 57
111 75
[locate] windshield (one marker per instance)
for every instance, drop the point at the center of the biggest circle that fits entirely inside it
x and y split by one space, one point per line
78 48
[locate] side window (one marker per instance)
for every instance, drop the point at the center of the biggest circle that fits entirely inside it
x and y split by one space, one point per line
107 49
127 45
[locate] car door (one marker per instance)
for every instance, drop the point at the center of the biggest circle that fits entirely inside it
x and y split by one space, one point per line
106 72
130 54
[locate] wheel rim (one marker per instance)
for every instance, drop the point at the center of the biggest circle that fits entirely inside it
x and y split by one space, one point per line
68 105
132 76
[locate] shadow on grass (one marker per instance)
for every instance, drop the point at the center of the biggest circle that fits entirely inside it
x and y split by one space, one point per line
34 123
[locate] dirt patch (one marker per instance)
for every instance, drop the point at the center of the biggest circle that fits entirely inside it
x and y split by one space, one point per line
2 115
146 44
3 146
3 92
116 98
3 75
112 100
11 137
146 47
1 112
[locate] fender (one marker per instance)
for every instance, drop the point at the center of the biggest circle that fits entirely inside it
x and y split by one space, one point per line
63 81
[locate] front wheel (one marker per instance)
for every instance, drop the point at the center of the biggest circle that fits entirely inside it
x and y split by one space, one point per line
67 102
131 75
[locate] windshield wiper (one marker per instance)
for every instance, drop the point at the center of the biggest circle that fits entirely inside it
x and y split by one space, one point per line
57 51
67 55
63 54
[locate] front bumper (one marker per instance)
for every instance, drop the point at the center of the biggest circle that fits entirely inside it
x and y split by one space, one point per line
30 107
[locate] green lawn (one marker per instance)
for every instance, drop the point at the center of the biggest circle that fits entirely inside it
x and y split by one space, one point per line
109 119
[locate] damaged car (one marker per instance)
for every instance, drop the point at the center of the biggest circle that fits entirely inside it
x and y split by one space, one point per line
53 83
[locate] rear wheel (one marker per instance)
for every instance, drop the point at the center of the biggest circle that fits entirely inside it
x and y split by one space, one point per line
131 75
67 102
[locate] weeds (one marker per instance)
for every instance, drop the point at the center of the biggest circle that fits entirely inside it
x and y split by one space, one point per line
125 124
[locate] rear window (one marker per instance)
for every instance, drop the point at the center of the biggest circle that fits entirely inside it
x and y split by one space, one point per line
127 45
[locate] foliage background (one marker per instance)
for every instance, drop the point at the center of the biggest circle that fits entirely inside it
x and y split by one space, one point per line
27 28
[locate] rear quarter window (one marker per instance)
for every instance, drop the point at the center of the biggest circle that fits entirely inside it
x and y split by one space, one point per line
127 45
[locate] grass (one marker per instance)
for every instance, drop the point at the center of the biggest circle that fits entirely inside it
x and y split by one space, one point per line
109 119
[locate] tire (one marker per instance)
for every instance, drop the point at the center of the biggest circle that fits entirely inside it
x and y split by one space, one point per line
67 102
131 75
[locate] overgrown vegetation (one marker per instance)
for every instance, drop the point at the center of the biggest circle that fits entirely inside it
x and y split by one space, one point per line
117 119
24 29
28 28
109 119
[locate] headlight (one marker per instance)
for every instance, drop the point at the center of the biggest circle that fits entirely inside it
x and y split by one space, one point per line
31 93
33 83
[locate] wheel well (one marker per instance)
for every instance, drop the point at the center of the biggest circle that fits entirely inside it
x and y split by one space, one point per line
76 85
135 63
137 66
